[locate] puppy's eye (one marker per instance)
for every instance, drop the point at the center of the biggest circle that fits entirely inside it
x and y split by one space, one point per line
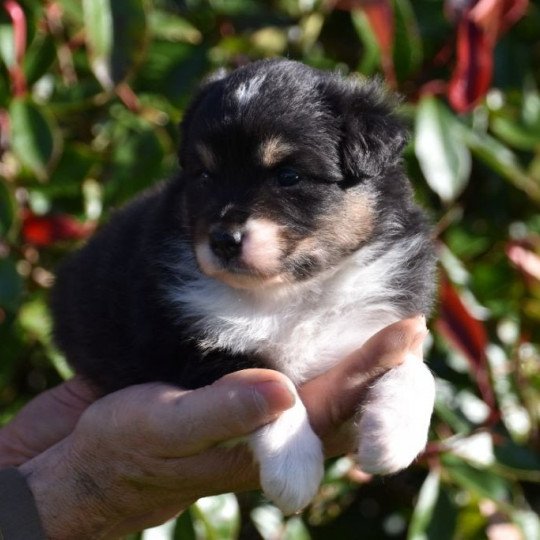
204 175
288 177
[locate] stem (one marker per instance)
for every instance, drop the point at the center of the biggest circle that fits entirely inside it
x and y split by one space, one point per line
18 19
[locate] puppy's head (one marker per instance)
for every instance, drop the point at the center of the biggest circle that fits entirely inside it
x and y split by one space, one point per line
281 169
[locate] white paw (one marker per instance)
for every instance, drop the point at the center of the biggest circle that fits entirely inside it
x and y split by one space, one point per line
395 420
290 458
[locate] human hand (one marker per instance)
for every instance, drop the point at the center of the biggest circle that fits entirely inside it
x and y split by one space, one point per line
139 456
44 421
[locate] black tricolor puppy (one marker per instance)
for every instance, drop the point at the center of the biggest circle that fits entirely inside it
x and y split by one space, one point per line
287 240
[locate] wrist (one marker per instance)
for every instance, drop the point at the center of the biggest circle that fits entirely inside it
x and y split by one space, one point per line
69 501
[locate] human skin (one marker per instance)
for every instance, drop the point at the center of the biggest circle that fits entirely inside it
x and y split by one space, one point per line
104 467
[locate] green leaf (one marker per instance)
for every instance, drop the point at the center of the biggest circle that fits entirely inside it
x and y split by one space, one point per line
39 57
371 57
184 529
11 285
8 209
227 7
116 34
165 531
7 43
530 112
528 522
35 137
471 524
407 51
219 516
483 482
443 156
516 134
295 529
70 171
502 160
137 160
171 27
423 511
443 521
99 36
269 41
268 520
35 319
311 26
173 68
72 10
515 456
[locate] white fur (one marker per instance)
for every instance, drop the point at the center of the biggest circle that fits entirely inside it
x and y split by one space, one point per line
246 91
395 420
304 329
262 247
290 458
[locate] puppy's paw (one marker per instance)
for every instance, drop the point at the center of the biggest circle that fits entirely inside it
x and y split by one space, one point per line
395 421
290 458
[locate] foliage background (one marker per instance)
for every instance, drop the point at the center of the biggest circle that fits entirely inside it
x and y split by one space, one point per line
91 92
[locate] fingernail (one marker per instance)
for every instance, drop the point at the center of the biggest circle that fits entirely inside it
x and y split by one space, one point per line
274 397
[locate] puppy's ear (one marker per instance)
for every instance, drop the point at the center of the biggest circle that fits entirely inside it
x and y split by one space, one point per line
208 85
372 134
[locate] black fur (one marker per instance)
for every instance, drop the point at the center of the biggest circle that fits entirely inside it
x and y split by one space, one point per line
110 314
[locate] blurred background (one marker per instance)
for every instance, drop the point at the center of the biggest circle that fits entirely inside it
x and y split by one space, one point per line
91 94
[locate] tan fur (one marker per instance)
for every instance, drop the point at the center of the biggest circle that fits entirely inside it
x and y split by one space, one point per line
354 223
273 150
349 228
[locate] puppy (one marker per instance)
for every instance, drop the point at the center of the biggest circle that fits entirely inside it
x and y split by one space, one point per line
287 240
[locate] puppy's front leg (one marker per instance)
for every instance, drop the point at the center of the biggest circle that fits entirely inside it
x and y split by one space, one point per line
395 420
290 458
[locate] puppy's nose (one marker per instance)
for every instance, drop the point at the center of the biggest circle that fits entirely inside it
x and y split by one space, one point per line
226 243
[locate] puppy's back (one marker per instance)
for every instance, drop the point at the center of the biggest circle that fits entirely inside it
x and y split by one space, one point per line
103 296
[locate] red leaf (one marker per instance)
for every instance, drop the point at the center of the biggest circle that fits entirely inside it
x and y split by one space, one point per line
474 67
512 12
43 231
469 336
381 19
480 24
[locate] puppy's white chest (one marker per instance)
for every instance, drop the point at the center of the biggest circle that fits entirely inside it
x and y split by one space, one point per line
320 339
302 332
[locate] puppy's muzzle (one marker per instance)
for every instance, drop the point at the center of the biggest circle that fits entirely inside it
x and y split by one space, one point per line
226 242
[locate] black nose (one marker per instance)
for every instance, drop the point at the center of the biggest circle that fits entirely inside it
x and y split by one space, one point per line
226 243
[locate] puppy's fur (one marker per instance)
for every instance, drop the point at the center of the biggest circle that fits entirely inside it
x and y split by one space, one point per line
288 239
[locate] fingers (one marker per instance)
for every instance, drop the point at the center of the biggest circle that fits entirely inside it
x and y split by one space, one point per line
334 397
219 470
180 423
45 420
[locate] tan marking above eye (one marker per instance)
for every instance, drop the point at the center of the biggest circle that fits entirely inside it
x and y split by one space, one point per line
207 156
273 150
